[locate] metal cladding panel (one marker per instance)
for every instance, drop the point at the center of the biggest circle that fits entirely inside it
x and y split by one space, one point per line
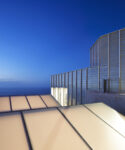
54 80
114 61
103 75
122 48
66 80
74 88
59 81
70 88
93 79
103 50
96 53
91 57
67 86
84 82
63 75
79 81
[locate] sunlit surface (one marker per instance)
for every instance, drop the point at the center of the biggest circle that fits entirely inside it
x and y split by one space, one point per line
91 126
60 94
98 134
19 102
36 102
12 135
4 104
109 115
50 102
48 130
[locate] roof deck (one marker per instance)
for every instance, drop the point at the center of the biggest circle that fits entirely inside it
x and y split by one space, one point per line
39 122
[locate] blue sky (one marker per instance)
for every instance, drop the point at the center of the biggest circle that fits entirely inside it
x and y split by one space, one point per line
40 38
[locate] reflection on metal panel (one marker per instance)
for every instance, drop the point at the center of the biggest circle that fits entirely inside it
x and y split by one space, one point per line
49 130
109 115
70 88
50 102
114 61
35 102
79 81
103 48
93 78
97 133
74 89
84 85
61 95
91 57
63 75
122 67
4 104
19 102
12 135
103 76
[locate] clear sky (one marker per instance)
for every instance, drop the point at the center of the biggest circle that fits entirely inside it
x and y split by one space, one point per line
43 37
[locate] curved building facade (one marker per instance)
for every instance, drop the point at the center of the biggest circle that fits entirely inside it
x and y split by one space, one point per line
108 52
106 72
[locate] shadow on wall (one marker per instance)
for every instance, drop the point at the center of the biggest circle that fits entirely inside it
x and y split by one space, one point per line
116 101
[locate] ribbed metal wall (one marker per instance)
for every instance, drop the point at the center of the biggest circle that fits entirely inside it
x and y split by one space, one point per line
103 75
103 50
96 53
84 84
114 61
74 88
93 79
71 86
79 87
107 61
70 89
122 47
91 60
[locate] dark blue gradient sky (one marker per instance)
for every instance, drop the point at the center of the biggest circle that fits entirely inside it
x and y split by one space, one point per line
43 37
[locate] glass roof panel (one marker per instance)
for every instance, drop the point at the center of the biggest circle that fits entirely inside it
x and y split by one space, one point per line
19 102
12 135
35 102
49 130
50 102
4 104
109 115
97 133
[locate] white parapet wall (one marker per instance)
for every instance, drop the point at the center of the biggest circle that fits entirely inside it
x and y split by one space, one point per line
61 95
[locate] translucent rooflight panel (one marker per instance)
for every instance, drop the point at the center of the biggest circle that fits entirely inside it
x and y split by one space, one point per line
109 115
49 130
19 103
36 102
12 135
97 133
4 104
50 102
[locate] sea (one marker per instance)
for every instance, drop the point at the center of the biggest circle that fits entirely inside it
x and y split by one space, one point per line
22 88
